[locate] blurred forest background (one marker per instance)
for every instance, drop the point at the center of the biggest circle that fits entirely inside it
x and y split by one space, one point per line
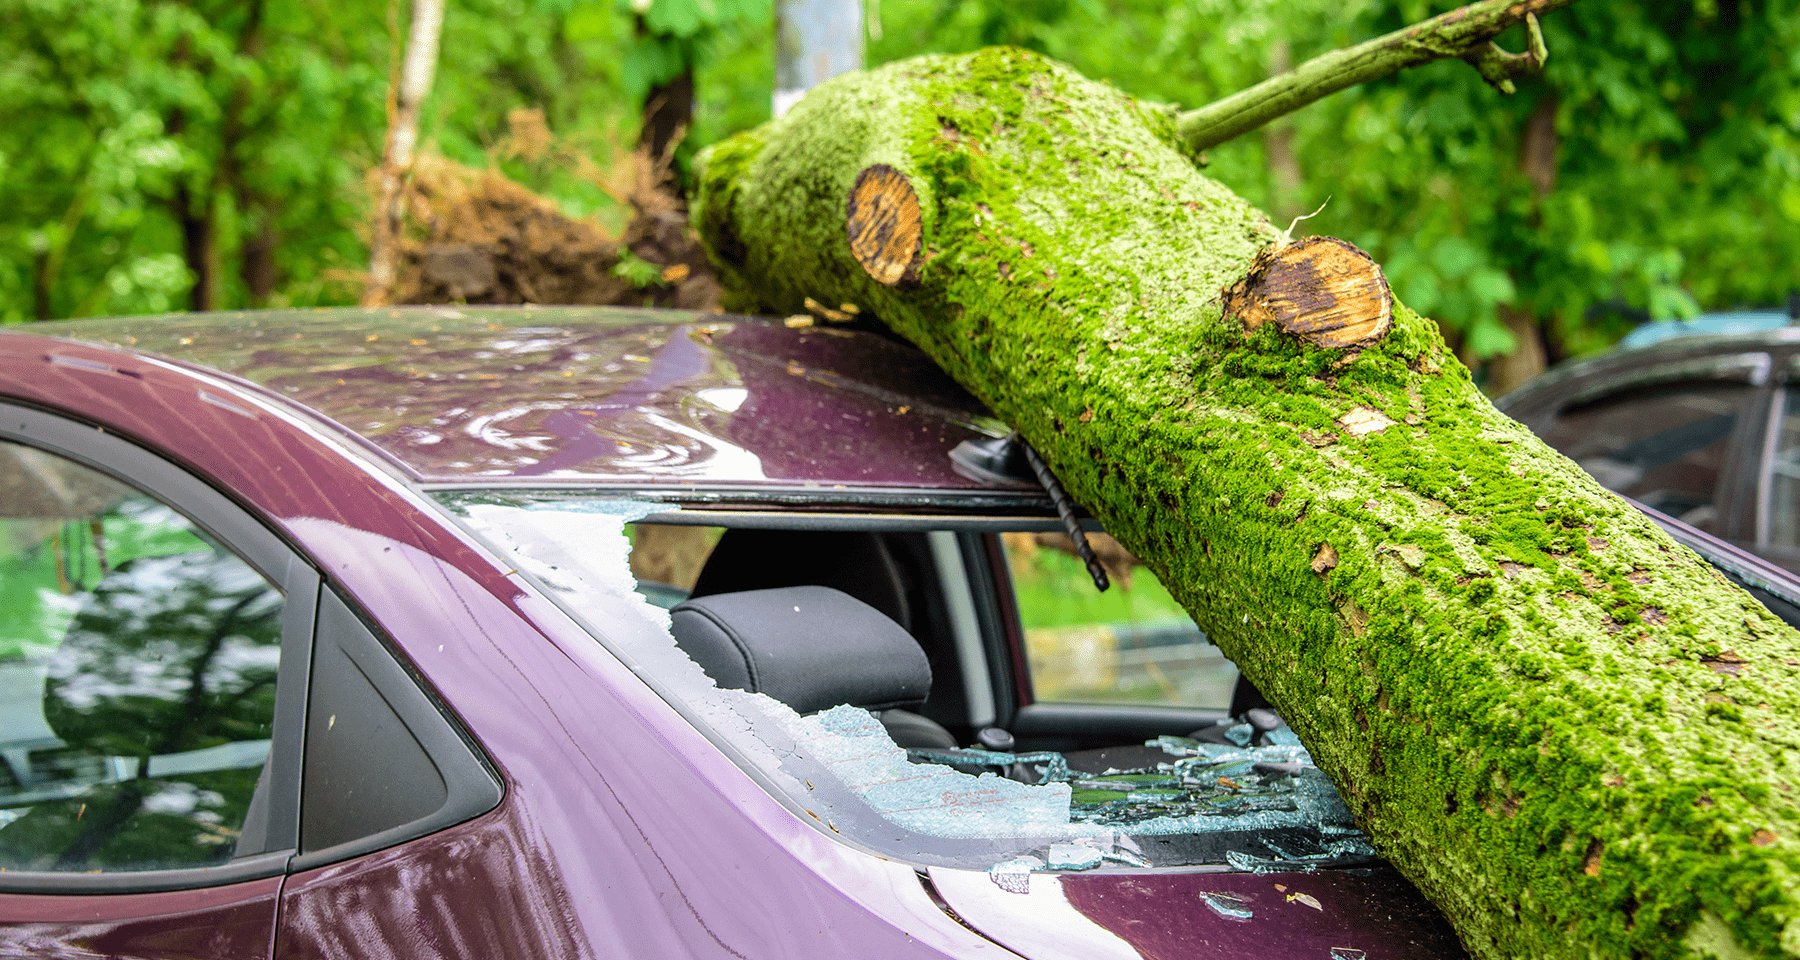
162 155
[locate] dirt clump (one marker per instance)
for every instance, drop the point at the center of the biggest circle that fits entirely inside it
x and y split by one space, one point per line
474 236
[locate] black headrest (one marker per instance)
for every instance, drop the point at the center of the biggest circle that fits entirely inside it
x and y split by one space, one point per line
856 562
809 647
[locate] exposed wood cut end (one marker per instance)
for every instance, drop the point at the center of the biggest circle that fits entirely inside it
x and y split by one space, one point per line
884 224
1321 289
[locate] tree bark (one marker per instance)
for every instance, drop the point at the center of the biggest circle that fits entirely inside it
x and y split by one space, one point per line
411 84
193 218
1573 735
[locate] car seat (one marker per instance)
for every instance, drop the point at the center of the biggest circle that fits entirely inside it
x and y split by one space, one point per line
855 562
812 648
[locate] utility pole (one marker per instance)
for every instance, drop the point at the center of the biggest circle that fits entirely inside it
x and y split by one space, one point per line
815 40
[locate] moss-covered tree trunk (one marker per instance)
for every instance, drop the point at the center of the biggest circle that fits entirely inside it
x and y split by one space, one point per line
1573 735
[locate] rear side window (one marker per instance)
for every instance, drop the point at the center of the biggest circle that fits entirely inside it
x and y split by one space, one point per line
1131 644
384 763
138 660
1665 445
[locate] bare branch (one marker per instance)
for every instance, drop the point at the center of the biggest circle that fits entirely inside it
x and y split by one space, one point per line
1466 33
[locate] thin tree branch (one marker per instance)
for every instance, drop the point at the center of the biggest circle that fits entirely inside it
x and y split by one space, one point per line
1466 33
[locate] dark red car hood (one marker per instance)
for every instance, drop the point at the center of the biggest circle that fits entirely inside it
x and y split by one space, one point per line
1165 915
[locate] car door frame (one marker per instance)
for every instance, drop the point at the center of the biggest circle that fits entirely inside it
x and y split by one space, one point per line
235 527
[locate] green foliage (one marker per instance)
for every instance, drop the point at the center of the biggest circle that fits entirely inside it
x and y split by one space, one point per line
673 37
1676 164
637 271
268 114
1677 129
676 35
127 118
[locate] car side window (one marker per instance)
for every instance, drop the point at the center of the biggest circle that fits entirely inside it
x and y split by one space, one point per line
138 661
1132 644
1665 445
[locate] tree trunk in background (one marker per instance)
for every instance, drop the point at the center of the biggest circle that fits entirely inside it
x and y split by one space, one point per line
668 111
257 267
1528 358
42 284
412 81
1573 735
194 219
194 216
1278 145
256 255
1537 159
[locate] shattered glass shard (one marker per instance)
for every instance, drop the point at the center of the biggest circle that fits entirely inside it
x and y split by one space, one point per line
1240 860
1175 746
1240 734
1284 737
927 797
1228 905
1130 858
1014 876
1054 767
1348 953
1073 856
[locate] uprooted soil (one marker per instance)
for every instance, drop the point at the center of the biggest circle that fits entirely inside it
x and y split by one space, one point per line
474 236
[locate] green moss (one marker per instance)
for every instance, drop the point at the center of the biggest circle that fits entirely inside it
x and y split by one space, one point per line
1505 671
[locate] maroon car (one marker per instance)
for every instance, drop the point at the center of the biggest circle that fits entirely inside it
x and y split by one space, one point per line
602 633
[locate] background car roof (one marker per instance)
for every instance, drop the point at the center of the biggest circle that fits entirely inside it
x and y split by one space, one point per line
592 396
1709 324
1747 356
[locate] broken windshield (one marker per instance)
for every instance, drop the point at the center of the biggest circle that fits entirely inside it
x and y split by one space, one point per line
1239 795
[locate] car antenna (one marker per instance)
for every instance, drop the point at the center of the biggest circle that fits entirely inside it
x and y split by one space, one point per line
1007 460
1065 510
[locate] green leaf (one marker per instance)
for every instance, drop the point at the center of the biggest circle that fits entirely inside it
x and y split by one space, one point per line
1488 337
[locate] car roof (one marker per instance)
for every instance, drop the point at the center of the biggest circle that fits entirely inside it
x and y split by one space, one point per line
595 396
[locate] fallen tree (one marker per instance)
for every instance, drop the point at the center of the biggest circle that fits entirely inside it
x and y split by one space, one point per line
1572 734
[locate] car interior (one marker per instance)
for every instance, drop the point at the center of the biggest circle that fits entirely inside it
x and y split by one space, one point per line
924 628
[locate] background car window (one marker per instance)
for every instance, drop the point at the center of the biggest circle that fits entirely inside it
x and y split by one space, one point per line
137 676
1665 445
1130 644
1783 545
